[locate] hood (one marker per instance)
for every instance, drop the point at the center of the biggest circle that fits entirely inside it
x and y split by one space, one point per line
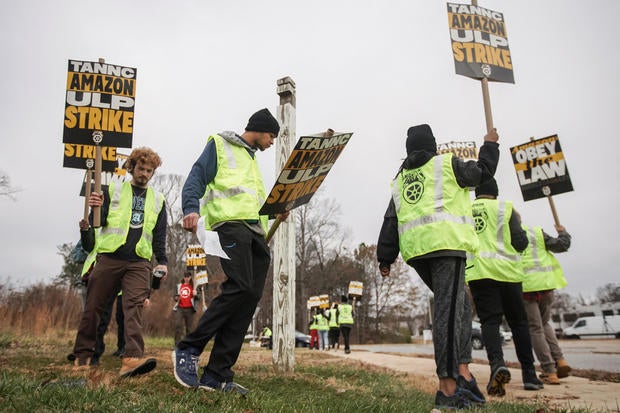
235 139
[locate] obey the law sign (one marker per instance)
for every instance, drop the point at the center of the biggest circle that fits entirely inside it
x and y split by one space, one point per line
100 98
541 168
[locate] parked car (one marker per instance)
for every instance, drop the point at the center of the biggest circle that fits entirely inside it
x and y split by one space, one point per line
476 335
301 339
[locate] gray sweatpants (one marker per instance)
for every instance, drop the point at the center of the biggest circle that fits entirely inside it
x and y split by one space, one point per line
445 276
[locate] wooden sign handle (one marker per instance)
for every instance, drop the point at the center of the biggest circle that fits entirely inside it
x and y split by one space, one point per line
87 183
556 219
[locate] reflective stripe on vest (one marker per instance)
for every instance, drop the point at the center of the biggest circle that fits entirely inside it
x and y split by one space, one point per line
542 270
237 192
114 233
434 212
496 258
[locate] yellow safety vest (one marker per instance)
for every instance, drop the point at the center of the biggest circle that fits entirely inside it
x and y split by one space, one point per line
434 212
496 258
237 192
333 322
322 323
315 322
542 270
345 314
114 234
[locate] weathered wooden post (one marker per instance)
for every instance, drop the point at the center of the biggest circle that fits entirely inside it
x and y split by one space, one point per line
284 242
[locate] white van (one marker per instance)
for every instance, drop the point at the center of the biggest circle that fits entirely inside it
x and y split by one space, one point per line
594 326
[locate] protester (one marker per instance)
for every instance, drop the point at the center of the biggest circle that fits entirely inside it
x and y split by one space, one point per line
227 178
543 275
494 277
345 321
323 329
184 308
334 327
266 336
428 220
133 229
313 327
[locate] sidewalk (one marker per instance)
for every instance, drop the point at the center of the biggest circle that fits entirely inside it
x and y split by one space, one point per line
574 392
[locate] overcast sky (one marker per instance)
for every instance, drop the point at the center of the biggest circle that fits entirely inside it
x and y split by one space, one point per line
368 67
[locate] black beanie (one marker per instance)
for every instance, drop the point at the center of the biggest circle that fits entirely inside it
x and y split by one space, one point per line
263 121
487 188
420 138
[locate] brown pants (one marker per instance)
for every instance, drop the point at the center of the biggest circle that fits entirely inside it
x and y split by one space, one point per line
108 277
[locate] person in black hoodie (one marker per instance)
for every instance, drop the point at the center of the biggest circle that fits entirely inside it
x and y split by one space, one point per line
429 221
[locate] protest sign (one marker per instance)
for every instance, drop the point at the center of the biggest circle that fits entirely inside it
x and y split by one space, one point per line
195 256
464 150
479 43
541 168
313 301
201 277
99 105
83 157
356 288
304 171
118 175
324 301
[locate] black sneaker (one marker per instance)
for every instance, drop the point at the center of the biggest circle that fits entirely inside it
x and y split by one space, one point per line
458 401
471 389
500 376
207 382
530 381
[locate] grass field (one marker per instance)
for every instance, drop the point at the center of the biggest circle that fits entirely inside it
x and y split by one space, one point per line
36 377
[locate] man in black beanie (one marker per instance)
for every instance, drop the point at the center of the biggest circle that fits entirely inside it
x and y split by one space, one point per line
494 276
227 182
429 221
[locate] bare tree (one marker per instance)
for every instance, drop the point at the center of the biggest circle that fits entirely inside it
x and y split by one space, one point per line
6 189
320 252
609 293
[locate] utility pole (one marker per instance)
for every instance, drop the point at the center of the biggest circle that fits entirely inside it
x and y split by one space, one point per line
284 242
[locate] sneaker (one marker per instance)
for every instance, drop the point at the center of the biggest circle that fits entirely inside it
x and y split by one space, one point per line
471 389
530 381
549 378
347 351
119 353
71 357
133 366
232 387
458 401
94 362
500 376
184 365
208 383
563 368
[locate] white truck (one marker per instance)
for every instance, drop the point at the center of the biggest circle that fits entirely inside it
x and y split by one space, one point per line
594 326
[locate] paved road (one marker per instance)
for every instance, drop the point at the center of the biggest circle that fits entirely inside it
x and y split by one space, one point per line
597 354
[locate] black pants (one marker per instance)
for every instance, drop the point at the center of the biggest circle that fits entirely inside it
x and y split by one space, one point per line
230 313
494 299
346 331
334 336
445 276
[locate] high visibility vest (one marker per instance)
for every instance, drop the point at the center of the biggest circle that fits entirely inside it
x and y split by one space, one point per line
433 211
114 234
237 192
315 322
496 258
333 321
267 332
345 314
322 322
542 270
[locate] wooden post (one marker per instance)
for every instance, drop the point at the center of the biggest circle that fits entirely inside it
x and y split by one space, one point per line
553 211
488 116
97 138
88 176
283 354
